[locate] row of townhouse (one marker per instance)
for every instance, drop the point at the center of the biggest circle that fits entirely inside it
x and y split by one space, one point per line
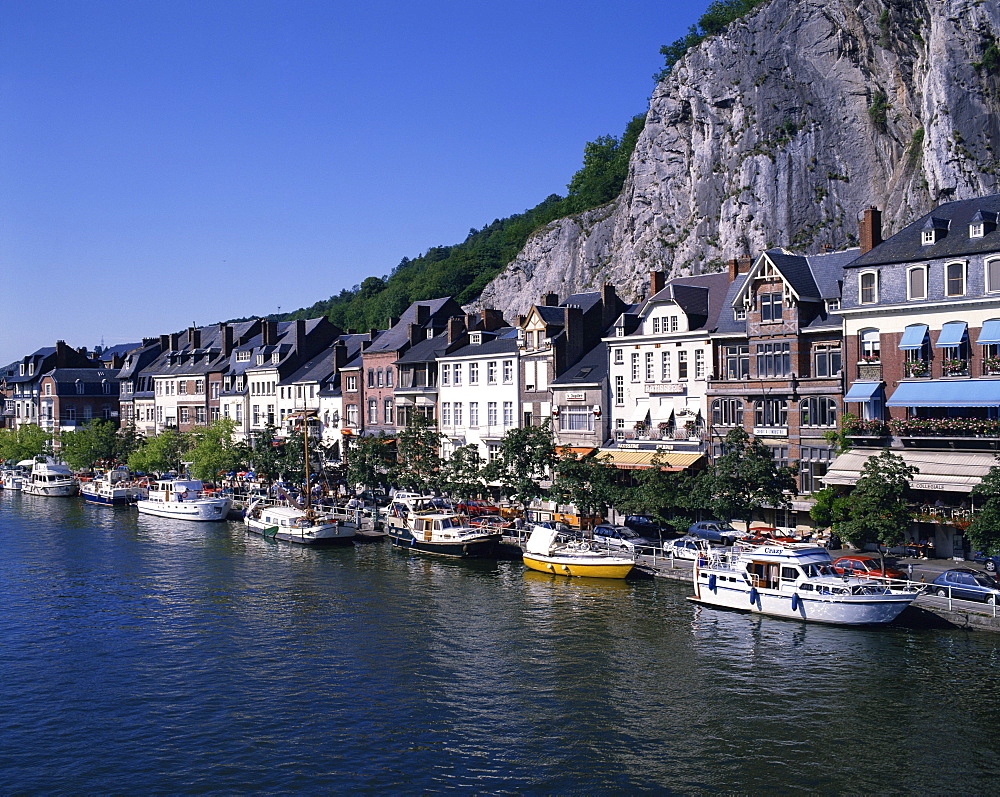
902 333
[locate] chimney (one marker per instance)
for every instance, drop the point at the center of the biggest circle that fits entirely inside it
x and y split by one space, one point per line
574 336
492 319
372 333
149 341
393 320
62 353
175 341
472 321
164 343
423 313
416 334
339 355
226 336
657 281
739 265
194 337
268 332
519 320
456 328
870 229
610 309
300 332
550 300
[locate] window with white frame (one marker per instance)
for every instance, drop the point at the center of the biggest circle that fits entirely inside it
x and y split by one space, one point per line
576 418
635 366
456 373
740 313
473 373
771 412
491 413
737 361
491 372
473 414
508 371
352 384
372 411
954 279
682 365
446 413
459 413
871 346
868 287
620 353
818 411
770 306
827 359
619 390
673 324
650 367
993 275
508 413
351 414
773 359
656 325
445 374
387 411
665 366
916 282
699 364
727 412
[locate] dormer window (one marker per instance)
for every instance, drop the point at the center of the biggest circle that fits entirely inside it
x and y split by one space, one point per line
476 338
977 229
740 313
770 307
933 231
21 369
260 359
243 355
833 305
275 358
927 237
985 221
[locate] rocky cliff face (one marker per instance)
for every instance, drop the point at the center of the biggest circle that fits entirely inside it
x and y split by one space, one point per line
779 133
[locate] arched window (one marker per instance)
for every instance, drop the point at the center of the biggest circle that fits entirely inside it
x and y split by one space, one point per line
818 411
727 412
871 347
916 282
868 287
954 279
771 412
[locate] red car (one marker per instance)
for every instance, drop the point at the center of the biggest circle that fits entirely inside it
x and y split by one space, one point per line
492 522
864 567
476 507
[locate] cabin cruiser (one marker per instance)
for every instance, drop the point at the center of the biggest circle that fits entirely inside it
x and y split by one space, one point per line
308 526
114 488
795 580
428 524
183 499
50 478
545 552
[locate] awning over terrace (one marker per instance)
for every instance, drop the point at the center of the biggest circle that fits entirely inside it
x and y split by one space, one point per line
950 393
937 470
628 459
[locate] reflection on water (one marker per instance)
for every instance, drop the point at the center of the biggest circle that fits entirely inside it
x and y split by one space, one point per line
144 654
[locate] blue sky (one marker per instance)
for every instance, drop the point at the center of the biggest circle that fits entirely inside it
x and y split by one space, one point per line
173 163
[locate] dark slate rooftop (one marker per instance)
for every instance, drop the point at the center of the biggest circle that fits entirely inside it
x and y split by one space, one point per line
398 335
503 341
592 368
905 246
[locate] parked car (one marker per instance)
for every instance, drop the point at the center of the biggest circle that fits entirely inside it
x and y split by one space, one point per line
646 526
860 566
623 537
968 584
475 507
495 522
718 531
685 547
989 561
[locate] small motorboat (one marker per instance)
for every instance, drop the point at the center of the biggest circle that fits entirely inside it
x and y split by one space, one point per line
544 552
303 526
428 524
114 488
183 499
795 580
50 478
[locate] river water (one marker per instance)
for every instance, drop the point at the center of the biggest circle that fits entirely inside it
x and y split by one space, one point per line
143 655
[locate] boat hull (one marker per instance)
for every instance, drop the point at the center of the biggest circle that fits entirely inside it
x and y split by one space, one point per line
833 609
200 510
322 534
117 497
50 490
597 567
484 547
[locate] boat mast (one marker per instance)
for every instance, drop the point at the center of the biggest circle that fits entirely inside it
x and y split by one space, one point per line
305 453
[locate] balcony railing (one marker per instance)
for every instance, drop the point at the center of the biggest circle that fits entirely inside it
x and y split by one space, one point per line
870 371
656 433
924 427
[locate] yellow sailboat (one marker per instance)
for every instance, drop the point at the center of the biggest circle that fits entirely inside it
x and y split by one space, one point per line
544 553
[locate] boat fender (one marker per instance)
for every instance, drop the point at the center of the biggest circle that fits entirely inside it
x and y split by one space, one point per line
565 568
711 582
795 601
552 568
753 594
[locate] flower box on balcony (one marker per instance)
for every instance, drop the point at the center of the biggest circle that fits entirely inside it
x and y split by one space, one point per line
955 367
917 368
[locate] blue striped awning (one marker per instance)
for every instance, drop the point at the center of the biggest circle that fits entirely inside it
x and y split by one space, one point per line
951 334
913 336
862 391
958 393
990 333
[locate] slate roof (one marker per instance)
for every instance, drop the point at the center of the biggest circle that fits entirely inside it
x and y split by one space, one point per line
905 246
505 342
398 335
590 369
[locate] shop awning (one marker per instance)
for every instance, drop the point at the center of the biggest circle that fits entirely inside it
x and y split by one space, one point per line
951 334
627 459
958 393
990 333
862 391
913 336
640 412
956 472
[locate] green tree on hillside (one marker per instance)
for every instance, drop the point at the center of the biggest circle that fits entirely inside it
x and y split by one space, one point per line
25 442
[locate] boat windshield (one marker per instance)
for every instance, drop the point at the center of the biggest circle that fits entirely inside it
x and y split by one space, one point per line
816 570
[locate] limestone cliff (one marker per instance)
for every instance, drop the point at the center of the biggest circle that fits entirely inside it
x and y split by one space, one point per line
779 132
